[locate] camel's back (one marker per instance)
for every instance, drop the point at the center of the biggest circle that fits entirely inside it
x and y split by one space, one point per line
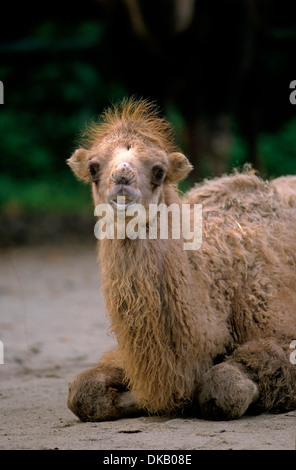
248 245
245 193
286 188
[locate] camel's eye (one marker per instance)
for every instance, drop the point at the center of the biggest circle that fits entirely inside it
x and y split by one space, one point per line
158 174
94 170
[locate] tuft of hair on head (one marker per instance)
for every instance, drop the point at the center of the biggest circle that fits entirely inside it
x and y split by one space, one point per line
134 117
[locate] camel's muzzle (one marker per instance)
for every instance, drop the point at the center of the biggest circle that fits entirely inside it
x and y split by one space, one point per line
123 174
122 195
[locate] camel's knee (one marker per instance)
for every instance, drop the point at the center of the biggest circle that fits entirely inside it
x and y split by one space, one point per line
267 362
93 397
225 393
88 398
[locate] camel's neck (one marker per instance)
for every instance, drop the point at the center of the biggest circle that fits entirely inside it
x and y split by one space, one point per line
146 284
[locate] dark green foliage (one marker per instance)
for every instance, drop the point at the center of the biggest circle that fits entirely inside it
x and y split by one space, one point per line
59 73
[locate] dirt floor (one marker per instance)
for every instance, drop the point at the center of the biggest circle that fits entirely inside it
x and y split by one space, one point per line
53 325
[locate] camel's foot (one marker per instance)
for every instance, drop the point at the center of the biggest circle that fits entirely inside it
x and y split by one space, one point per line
225 392
97 396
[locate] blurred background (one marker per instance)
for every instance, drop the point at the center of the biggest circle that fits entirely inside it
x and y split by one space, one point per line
219 70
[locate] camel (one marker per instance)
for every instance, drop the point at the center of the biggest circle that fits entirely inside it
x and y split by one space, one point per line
204 332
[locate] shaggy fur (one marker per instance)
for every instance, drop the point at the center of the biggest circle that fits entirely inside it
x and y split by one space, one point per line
130 121
209 328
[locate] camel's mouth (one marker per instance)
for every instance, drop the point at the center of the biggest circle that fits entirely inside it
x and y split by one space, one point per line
123 196
120 203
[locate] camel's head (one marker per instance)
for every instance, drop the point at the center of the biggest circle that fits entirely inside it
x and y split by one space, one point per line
131 155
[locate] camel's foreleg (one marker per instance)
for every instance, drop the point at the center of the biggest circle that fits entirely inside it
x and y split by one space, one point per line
99 393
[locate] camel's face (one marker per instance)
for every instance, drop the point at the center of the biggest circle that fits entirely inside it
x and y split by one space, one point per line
132 174
124 173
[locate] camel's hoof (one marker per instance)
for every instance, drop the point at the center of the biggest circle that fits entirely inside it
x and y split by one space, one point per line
225 393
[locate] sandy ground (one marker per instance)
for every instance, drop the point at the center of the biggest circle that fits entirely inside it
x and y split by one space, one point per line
53 325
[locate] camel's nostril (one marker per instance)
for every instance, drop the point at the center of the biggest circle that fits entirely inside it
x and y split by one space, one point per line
123 178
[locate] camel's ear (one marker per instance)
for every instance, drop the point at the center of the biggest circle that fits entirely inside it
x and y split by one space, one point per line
179 167
78 163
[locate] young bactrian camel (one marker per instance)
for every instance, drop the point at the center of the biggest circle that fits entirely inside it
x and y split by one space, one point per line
204 331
